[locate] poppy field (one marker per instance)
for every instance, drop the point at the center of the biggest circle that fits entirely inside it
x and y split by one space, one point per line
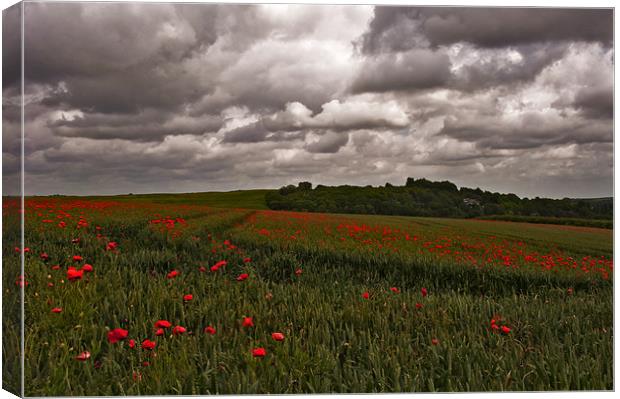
142 297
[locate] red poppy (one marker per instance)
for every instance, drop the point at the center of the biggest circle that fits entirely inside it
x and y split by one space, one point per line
248 322
145 364
424 292
435 341
242 276
56 267
162 324
77 258
495 327
278 336
259 352
118 334
87 268
44 256
73 274
159 332
84 356
505 329
202 269
188 297
366 295
56 310
132 343
209 330
419 306
147 344
247 260
395 290
218 265
111 246
178 330
26 250
298 272
569 291
173 274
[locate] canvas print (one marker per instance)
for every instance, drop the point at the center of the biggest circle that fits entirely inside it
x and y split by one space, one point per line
204 199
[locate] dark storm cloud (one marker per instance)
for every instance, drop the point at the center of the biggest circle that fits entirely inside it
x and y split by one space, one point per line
596 102
403 28
329 143
415 69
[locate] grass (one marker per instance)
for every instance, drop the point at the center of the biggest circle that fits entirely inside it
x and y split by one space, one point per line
335 340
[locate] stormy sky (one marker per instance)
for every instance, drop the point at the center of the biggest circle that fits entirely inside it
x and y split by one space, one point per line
192 97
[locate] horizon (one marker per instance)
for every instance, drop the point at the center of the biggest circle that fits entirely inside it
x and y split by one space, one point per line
229 97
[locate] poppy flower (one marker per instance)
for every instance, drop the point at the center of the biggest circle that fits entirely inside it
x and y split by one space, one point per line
87 268
173 274
277 336
419 306
132 343
209 330
242 276
366 295
202 269
395 290
145 363
188 297
147 344
298 272
118 334
56 267
111 246
73 274
84 356
50 284
56 310
159 332
435 341
77 258
162 324
26 250
178 330
505 329
259 352
44 256
495 327
569 291
248 322
247 260
424 292
75 240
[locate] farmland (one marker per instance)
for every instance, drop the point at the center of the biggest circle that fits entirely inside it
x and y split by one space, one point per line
262 301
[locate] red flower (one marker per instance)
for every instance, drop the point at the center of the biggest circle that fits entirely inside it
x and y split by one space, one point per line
132 343
218 265
366 295
178 330
75 240
210 330
277 336
435 341
495 327
298 272
26 250
242 276
505 329
247 260
118 334
419 306
159 332
147 344
259 352
173 274
188 297
73 274
87 268
84 356
395 290
77 258
44 256
111 246
248 322
162 324
202 269
56 267
56 310
424 292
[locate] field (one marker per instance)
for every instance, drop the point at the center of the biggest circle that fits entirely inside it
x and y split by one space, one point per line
261 301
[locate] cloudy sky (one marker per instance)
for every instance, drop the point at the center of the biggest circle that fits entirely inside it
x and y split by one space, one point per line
176 98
